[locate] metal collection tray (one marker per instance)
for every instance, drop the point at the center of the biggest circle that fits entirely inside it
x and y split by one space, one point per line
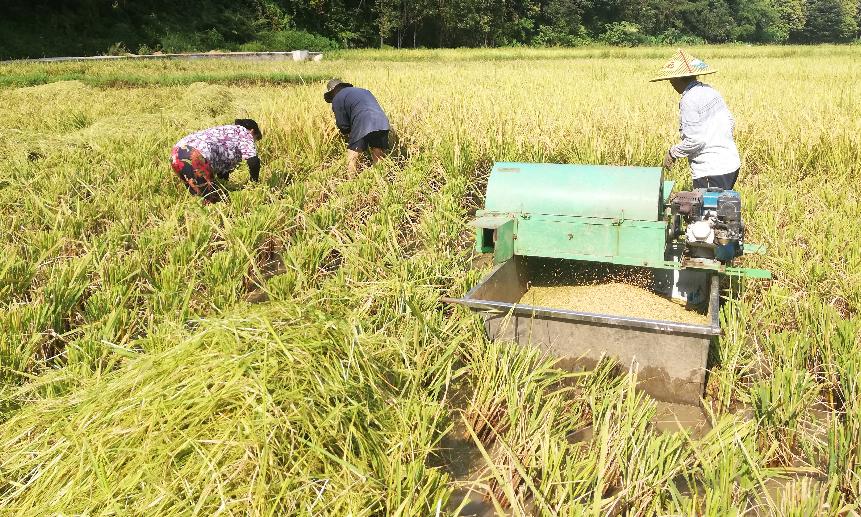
669 357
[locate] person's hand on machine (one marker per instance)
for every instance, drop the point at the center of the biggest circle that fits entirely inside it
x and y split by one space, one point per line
669 160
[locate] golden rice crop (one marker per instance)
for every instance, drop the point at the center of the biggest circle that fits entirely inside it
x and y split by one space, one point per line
613 298
137 378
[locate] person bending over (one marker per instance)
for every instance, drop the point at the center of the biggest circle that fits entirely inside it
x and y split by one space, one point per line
216 151
361 120
705 124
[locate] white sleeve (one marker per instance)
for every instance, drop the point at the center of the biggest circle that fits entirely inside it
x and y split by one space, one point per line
691 132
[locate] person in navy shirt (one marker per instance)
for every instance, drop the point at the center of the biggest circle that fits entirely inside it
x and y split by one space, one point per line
361 120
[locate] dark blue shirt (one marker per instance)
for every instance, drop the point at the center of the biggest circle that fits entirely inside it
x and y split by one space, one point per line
358 113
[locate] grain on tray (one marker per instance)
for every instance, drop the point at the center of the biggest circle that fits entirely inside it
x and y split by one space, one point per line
613 298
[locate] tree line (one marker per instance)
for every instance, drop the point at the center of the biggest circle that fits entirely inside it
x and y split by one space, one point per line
52 27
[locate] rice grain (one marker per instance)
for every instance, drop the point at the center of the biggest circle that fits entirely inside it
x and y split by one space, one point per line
613 298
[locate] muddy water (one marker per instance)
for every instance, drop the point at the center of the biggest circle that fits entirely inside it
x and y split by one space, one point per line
670 418
269 265
476 506
458 455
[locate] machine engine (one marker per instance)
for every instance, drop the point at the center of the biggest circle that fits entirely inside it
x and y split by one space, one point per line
713 228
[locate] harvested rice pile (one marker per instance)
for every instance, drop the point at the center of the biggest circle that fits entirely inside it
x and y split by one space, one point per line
611 298
210 99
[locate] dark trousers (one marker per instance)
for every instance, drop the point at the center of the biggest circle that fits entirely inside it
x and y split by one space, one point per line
724 181
378 139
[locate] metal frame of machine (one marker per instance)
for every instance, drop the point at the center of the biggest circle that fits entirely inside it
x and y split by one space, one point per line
614 215
621 216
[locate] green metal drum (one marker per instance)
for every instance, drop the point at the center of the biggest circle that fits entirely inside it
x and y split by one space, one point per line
595 191
579 212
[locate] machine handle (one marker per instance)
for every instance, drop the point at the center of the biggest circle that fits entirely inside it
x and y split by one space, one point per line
755 249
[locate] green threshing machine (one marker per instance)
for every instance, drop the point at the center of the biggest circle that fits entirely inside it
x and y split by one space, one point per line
578 215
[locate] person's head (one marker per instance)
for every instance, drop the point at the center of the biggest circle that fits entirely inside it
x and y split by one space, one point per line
332 89
682 69
681 83
251 126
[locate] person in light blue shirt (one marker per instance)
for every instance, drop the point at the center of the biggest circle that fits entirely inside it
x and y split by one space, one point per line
706 125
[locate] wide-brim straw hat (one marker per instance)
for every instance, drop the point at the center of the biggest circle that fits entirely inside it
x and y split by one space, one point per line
683 65
332 88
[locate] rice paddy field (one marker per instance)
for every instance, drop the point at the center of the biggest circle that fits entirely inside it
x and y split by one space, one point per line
286 353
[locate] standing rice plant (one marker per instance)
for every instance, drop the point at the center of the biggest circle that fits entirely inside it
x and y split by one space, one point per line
805 496
780 406
504 380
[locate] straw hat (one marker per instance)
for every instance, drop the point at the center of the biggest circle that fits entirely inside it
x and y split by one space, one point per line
332 89
683 65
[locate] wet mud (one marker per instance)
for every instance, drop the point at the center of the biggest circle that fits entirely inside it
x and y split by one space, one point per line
267 264
462 460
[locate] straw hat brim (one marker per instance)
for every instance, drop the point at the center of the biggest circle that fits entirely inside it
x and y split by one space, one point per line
677 76
328 96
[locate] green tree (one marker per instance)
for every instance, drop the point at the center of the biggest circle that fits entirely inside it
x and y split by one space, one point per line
388 18
758 21
565 15
710 19
793 17
654 16
830 21
858 17
521 22
415 13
